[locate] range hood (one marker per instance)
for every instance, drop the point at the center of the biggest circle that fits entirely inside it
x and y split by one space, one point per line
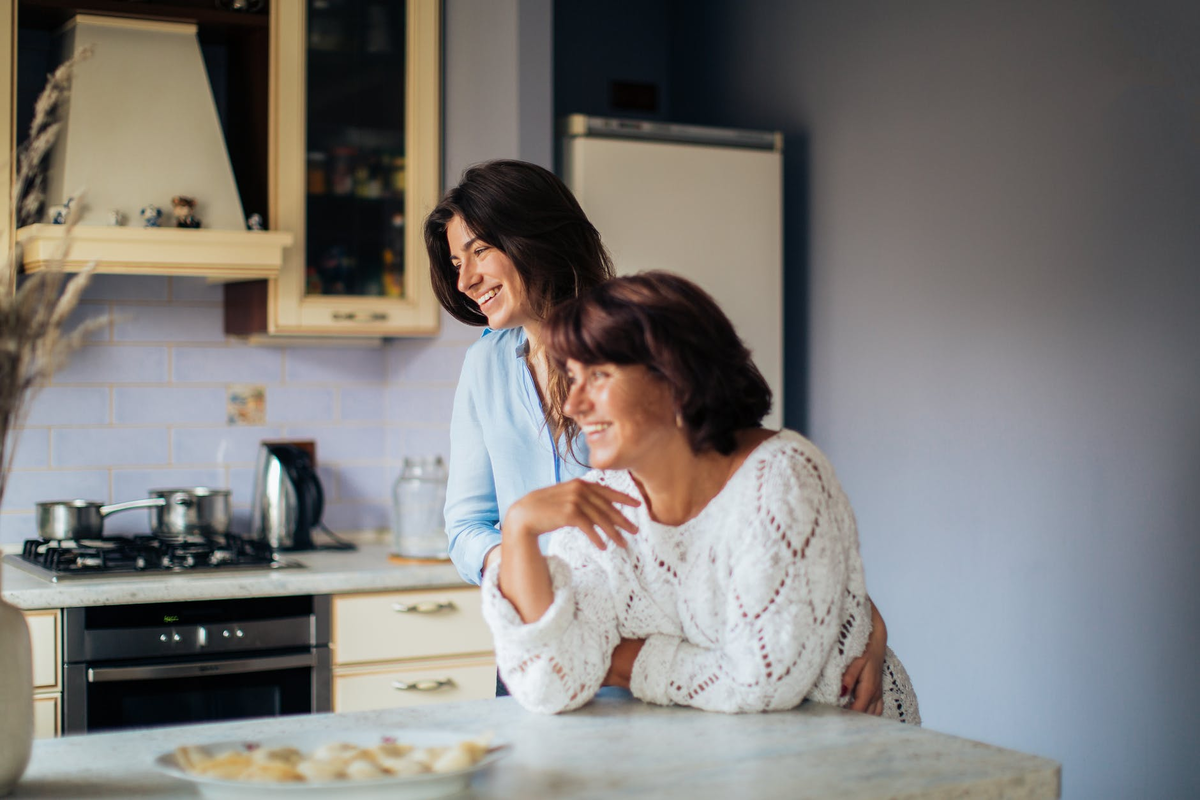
141 127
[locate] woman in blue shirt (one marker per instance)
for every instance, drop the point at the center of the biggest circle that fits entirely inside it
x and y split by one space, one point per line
505 246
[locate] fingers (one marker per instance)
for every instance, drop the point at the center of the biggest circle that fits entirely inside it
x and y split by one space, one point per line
876 708
850 678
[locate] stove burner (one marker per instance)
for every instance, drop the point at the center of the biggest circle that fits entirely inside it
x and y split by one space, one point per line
147 555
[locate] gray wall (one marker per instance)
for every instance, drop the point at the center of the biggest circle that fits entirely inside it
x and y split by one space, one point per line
1002 252
498 95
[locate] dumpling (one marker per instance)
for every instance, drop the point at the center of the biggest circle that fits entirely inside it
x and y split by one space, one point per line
336 750
318 771
364 769
191 758
282 755
271 772
229 766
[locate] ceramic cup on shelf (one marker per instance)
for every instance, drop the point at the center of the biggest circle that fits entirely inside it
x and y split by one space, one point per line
16 697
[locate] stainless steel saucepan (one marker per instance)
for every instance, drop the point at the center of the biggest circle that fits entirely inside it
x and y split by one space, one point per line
81 519
197 510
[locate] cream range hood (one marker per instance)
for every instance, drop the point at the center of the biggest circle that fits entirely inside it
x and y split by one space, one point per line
140 127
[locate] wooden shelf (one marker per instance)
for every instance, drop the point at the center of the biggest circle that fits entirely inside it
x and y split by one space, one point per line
220 255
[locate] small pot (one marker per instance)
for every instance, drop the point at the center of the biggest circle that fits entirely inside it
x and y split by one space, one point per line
81 519
190 512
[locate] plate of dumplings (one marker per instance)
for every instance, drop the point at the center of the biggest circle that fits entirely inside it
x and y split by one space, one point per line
401 765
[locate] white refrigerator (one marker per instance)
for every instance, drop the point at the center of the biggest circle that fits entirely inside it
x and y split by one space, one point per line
706 203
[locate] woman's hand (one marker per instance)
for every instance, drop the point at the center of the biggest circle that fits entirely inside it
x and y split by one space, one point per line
591 507
864 676
524 571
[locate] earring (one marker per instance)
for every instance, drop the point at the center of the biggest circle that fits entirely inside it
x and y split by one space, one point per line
678 419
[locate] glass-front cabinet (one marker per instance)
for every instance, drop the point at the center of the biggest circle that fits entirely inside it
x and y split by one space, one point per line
356 117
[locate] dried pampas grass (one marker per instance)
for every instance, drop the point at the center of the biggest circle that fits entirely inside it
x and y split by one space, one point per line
33 343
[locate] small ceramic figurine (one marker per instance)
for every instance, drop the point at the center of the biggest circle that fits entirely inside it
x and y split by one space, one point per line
150 216
183 207
58 214
255 222
116 218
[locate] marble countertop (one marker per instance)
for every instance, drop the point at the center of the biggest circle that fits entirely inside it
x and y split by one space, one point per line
613 747
324 572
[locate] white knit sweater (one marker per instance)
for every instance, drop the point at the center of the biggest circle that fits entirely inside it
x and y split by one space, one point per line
755 604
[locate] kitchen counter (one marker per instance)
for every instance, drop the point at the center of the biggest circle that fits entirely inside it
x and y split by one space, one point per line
325 572
614 747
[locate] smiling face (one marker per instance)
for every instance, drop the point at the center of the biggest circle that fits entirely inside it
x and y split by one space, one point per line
626 412
489 278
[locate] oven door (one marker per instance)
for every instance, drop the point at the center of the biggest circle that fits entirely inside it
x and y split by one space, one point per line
137 695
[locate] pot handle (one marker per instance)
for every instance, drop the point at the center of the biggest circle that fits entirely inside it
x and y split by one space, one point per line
115 507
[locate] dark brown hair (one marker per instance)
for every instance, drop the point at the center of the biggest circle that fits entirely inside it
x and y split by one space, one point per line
675 329
527 213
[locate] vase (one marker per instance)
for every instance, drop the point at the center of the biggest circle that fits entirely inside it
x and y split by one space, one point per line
16 697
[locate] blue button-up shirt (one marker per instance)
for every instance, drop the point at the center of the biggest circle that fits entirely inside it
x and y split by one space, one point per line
500 447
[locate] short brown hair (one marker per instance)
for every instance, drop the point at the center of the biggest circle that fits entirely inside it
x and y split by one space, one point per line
675 329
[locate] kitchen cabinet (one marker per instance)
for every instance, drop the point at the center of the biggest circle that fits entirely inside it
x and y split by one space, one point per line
45 633
236 45
355 114
393 649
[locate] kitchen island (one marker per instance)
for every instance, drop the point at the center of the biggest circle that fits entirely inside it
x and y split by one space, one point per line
321 572
613 747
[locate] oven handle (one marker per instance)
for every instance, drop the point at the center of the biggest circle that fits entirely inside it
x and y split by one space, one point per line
200 668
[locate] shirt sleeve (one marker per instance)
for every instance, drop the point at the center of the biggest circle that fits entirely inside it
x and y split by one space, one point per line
472 511
782 612
559 662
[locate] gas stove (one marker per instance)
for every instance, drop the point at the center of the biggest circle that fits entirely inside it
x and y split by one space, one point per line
144 556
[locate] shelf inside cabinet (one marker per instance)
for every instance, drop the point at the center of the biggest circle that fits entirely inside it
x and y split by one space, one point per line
216 254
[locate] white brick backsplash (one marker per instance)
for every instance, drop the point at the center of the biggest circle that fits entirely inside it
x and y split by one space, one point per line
227 365
363 404
356 517
366 483
28 488
109 364
33 448
343 442
424 360
299 404
226 445
16 528
169 404
334 364
107 447
143 407
421 442
159 323
409 404
70 405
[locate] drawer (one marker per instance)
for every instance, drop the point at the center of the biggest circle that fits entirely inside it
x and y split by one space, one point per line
394 626
47 658
46 716
414 685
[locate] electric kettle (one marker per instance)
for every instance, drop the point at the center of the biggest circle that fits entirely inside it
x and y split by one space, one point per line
288 499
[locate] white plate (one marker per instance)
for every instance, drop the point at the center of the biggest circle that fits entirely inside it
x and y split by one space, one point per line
397 787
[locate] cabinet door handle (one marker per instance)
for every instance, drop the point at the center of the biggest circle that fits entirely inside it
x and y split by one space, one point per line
353 316
431 607
428 685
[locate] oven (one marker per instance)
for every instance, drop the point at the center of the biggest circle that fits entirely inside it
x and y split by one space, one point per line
137 666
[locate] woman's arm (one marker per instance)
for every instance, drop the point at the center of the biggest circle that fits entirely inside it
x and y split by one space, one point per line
863 679
472 510
553 619
783 608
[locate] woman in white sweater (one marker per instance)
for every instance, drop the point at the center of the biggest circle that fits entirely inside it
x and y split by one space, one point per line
706 561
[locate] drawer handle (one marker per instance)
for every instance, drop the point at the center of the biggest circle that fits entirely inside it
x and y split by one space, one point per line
431 685
352 316
432 607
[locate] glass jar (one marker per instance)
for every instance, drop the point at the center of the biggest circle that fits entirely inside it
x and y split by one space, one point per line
418 520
